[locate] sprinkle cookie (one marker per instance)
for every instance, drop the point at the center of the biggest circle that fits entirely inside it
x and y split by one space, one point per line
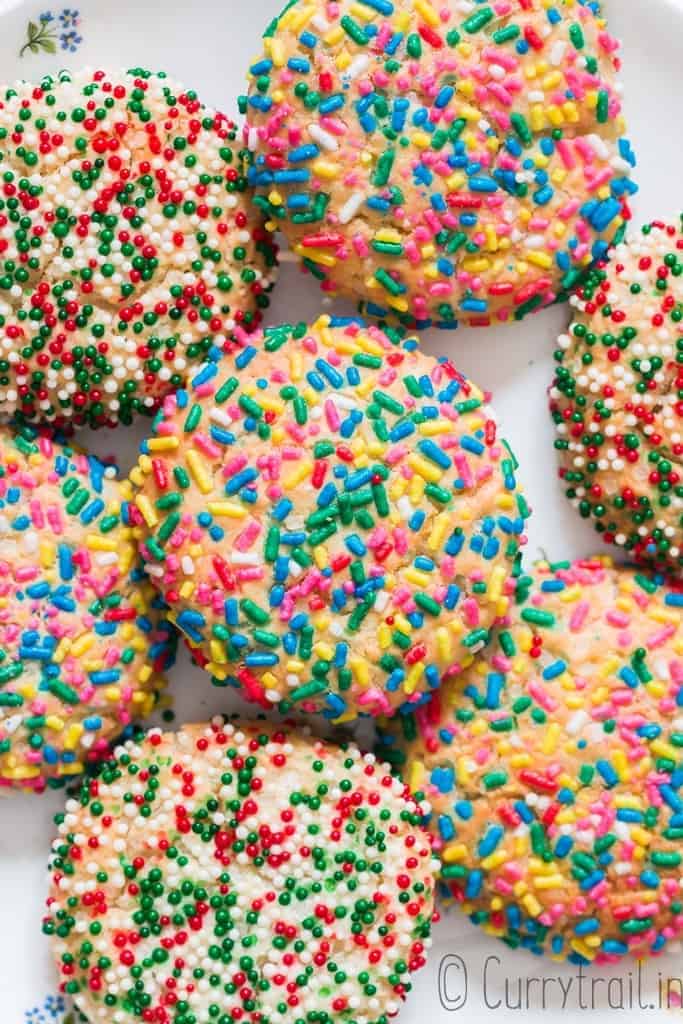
331 518
617 398
240 873
127 248
553 767
82 639
441 162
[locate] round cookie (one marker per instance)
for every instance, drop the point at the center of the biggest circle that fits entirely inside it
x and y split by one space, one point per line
330 518
553 767
128 249
617 398
246 871
83 639
441 163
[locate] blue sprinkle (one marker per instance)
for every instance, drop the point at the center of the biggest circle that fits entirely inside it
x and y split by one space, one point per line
299 64
106 677
554 670
474 884
443 779
587 926
490 840
445 826
607 771
309 151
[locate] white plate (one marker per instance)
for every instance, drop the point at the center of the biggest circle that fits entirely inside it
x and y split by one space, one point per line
207 44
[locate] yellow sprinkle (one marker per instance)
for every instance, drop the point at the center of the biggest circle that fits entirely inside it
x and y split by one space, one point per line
47 554
96 542
430 428
146 510
495 584
476 265
494 860
420 579
198 471
443 645
453 853
455 181
531 905
426 11
217 652
641 836
416 775
584 949
537 117
520 760
72 735
413 677
82 644
555 116
316 255
112 694
361 671
661 749
550 738
325 169
362 13
55 723
417 487
427 470
167 443
539 259
63 648
402 623
421 140
462 773
571 112
387 235
226 508
334 36
298 475
442 524
343 60
321 557
187 589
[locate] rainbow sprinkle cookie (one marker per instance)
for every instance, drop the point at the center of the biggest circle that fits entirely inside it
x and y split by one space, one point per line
617 398
553 767
441 162
240 873
82 639
127 247
331 518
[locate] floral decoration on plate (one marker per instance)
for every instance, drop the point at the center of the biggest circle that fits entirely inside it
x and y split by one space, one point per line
53 30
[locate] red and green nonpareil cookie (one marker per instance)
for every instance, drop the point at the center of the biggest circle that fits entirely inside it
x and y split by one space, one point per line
127 247
553 767
617 398
441 162
331 517
240 872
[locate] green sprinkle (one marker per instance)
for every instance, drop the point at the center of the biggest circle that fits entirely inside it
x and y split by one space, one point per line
493 780
354 30
576 36
505 35
383 169
477 21
428 604
537 617
258 615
